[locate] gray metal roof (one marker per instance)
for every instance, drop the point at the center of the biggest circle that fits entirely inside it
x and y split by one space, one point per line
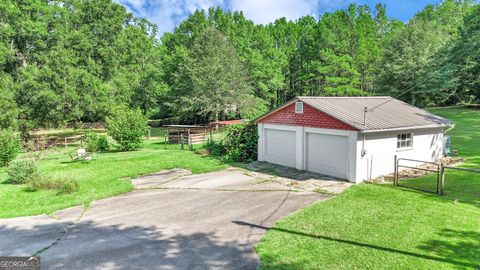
393 115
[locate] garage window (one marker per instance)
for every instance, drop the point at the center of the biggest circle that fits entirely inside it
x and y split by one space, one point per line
405 141
298 107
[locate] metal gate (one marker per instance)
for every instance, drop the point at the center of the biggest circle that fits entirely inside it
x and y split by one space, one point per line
438 171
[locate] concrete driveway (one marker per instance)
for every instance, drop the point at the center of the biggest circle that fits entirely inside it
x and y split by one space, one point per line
172 221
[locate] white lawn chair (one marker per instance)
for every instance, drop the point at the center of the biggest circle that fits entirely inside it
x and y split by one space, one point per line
82 154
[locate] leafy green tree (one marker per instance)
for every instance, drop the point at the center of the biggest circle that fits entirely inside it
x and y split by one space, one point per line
468 59
140 72
9 146
75 60
285 36
419 59
8 106
211 82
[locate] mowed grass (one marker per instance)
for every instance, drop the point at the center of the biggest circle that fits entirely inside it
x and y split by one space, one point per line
459 185
107 175
382 227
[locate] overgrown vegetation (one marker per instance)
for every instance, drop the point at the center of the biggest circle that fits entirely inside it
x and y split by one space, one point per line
23 171
239 143
96 142
128 128
74 61
60 184
26 171
9 146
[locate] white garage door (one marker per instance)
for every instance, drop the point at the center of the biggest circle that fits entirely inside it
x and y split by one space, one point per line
280 147
327 154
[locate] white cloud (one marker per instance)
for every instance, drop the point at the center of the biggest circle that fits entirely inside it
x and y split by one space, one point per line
169 13
266 11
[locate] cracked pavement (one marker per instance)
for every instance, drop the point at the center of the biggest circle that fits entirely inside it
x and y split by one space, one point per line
173 221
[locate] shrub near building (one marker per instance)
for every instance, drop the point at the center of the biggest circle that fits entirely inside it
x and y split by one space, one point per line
240 143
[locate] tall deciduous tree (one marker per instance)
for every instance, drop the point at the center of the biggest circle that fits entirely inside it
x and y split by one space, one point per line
74 60
8 106
211 81
468 49
418 59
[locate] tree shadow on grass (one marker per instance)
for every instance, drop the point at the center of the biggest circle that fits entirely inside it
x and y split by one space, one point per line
456 245
442 256
272 262
88 245
466 192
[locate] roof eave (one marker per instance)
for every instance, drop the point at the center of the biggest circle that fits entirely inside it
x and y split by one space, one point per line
407 128
275 110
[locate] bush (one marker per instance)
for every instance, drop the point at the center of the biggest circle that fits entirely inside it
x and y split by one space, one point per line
62 185
9 146
215 148
103 144
241 142
127 128
23 171
95 142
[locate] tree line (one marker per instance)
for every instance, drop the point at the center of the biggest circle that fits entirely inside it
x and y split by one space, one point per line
79 60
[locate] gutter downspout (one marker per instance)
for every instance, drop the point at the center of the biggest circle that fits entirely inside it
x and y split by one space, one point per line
450 128
363 133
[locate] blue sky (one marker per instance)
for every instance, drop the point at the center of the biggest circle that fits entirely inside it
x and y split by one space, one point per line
169 13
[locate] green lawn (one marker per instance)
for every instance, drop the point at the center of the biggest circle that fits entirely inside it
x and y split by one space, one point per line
105 176
382 227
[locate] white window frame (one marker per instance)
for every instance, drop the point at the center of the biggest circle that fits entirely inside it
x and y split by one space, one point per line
298 107
405 141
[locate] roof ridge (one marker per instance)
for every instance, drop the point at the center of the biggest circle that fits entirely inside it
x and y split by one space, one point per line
349 97
350 110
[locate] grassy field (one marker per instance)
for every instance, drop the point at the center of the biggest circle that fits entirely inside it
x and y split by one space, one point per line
465 138
382 227
105 176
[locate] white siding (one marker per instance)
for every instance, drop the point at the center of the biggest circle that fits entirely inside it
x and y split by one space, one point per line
382 147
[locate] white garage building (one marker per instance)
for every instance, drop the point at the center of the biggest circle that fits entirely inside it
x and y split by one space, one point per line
334 136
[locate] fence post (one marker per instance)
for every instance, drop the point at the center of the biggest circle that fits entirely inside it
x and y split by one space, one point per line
66 142
181 140
168 134
438 177
395 171
149 132
442 179
188 139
